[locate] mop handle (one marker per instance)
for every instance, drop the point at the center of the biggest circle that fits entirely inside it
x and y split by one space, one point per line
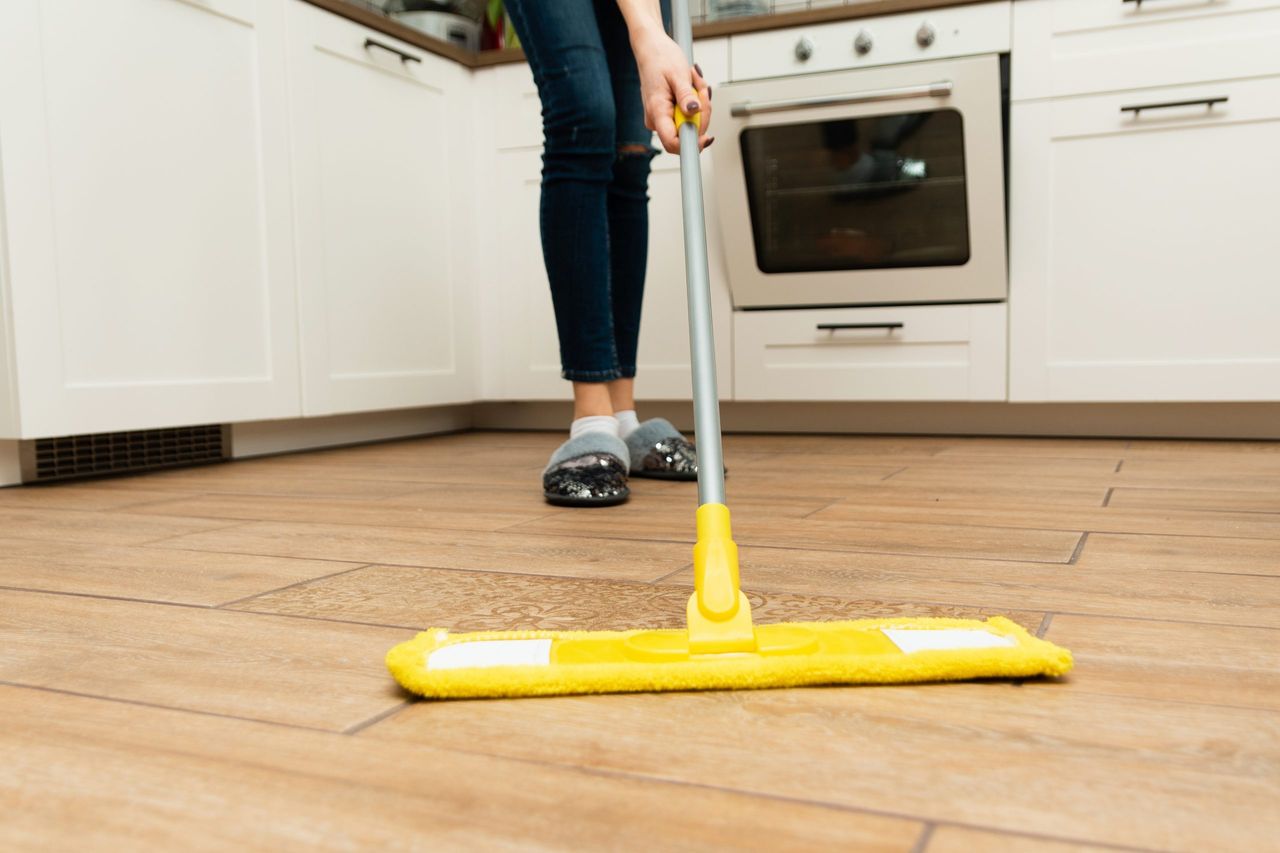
706 404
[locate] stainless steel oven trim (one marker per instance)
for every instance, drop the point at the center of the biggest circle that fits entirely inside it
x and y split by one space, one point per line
975 93
940 89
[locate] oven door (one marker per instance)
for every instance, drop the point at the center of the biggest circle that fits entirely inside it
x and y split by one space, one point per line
882 185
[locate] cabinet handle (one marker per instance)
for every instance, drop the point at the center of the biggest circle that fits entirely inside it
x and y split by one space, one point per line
1137 109
831 327
1138 3
404 57
940 89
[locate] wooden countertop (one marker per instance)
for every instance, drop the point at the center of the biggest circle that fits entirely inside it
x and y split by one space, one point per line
728 26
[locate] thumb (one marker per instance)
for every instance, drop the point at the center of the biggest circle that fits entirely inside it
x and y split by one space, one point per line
686 96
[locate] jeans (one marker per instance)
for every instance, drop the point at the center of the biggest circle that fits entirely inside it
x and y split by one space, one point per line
594 214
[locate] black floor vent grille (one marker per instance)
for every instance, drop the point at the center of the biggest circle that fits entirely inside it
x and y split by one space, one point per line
123 452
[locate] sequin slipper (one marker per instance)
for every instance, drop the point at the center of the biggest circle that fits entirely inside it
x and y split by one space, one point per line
660 452
590 470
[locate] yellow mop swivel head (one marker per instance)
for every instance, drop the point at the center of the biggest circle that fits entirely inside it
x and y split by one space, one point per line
721 649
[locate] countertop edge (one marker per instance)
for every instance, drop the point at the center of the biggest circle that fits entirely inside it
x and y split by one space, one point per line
713 29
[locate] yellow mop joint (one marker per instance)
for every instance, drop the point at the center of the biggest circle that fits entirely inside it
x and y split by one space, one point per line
721 648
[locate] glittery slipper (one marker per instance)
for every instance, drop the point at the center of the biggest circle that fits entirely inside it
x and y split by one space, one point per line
590 470
660 452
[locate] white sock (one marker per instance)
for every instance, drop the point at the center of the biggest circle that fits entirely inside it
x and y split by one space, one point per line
594 423
627 422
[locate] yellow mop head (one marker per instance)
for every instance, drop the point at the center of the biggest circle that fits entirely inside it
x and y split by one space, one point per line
721 649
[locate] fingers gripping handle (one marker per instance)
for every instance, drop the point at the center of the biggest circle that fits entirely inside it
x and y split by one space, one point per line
681 118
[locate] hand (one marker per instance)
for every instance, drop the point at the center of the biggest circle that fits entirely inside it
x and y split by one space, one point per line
665 80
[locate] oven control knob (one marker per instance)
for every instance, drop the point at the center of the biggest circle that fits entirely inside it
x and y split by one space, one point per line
804 49
926 34
862 43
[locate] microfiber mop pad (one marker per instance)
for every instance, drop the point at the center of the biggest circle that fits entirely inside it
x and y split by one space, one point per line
442 665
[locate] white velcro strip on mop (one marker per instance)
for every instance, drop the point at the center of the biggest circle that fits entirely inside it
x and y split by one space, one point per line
938 639
482 653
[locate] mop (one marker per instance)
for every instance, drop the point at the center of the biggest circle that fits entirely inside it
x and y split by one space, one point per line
721 648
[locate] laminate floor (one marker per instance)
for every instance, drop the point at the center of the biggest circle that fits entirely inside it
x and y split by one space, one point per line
193 658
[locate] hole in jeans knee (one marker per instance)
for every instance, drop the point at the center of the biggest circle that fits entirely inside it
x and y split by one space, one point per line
633 149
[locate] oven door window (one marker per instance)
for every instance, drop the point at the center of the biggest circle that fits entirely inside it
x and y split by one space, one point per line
866 193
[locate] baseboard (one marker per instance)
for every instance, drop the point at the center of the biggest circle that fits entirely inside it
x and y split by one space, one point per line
10 466
263 438
1126 420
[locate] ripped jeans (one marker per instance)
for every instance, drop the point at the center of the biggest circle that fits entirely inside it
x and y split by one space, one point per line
594 212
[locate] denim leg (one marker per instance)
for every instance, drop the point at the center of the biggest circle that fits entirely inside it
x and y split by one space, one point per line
563 43
628 199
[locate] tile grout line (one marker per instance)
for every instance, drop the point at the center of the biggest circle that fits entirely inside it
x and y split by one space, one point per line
174 708
208 608
148 543
670 574
1106 499
128 509
1044 625
379 717
1079 549
774 797
1086 615
1119 465
750 544
821 508
926 835
233 602
895 473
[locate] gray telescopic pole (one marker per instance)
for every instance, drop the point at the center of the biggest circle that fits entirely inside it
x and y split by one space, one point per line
706 402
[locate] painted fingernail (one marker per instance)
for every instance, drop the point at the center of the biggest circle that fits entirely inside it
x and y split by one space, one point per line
708 93
711 141
691 107
698 68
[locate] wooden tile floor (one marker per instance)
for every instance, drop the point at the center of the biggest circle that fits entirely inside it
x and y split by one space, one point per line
193 658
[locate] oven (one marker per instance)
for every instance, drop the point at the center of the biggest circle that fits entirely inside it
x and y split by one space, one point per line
881 185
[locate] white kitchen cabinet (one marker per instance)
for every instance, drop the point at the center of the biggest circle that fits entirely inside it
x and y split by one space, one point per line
384 224
517 318
909 352
1076 47
1142 259
145 174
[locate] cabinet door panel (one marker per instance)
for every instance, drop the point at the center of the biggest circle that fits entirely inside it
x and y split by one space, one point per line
1076 47
663 370
378 206
146 175
528 348
1142 248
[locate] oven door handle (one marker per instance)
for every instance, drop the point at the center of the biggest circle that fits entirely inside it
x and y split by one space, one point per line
940 89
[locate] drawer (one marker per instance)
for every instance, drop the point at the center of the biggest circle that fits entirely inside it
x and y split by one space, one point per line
352 42
1077 47
919 352
959 31
1171 108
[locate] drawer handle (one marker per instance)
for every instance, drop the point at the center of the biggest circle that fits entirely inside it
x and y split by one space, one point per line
831 327
404 57
941 89
1138 3
1137 109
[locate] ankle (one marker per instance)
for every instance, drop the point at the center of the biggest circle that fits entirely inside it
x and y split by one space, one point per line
593 423
627 422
